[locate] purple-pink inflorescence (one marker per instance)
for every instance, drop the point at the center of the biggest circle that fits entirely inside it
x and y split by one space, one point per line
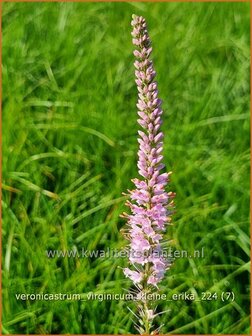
149 201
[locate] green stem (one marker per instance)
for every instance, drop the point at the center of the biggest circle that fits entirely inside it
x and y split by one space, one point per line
146 321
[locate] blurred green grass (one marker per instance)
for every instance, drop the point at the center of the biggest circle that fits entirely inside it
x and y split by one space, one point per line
69 150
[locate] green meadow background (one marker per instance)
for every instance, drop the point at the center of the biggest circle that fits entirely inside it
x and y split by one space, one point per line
69 151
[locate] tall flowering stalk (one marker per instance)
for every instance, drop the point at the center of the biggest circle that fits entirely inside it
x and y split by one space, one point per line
149 203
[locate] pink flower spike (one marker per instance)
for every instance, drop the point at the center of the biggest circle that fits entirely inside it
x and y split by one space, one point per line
148 203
